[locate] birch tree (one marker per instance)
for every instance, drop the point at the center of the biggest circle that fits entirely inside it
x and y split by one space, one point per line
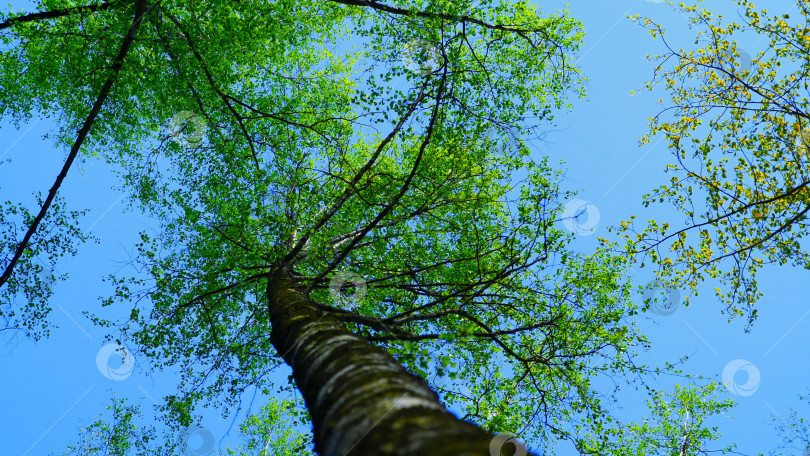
286 149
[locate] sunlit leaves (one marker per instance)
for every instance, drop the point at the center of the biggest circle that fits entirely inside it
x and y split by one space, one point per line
736 131
680 423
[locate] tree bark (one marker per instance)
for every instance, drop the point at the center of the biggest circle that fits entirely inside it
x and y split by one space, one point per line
361 400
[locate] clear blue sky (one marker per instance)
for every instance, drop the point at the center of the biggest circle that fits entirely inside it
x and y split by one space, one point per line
51 387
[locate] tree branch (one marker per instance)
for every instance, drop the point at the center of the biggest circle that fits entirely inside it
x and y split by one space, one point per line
33 17
140 10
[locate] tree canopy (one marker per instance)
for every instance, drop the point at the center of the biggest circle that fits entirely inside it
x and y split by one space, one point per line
289 148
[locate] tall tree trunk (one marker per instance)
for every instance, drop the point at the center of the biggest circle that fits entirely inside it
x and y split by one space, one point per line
362 401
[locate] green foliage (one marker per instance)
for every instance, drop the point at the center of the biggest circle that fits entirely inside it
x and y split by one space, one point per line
24 298
120 432
678 426
116 433
272 432
737 132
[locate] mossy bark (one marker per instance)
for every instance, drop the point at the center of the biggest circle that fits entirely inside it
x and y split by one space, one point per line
362 401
